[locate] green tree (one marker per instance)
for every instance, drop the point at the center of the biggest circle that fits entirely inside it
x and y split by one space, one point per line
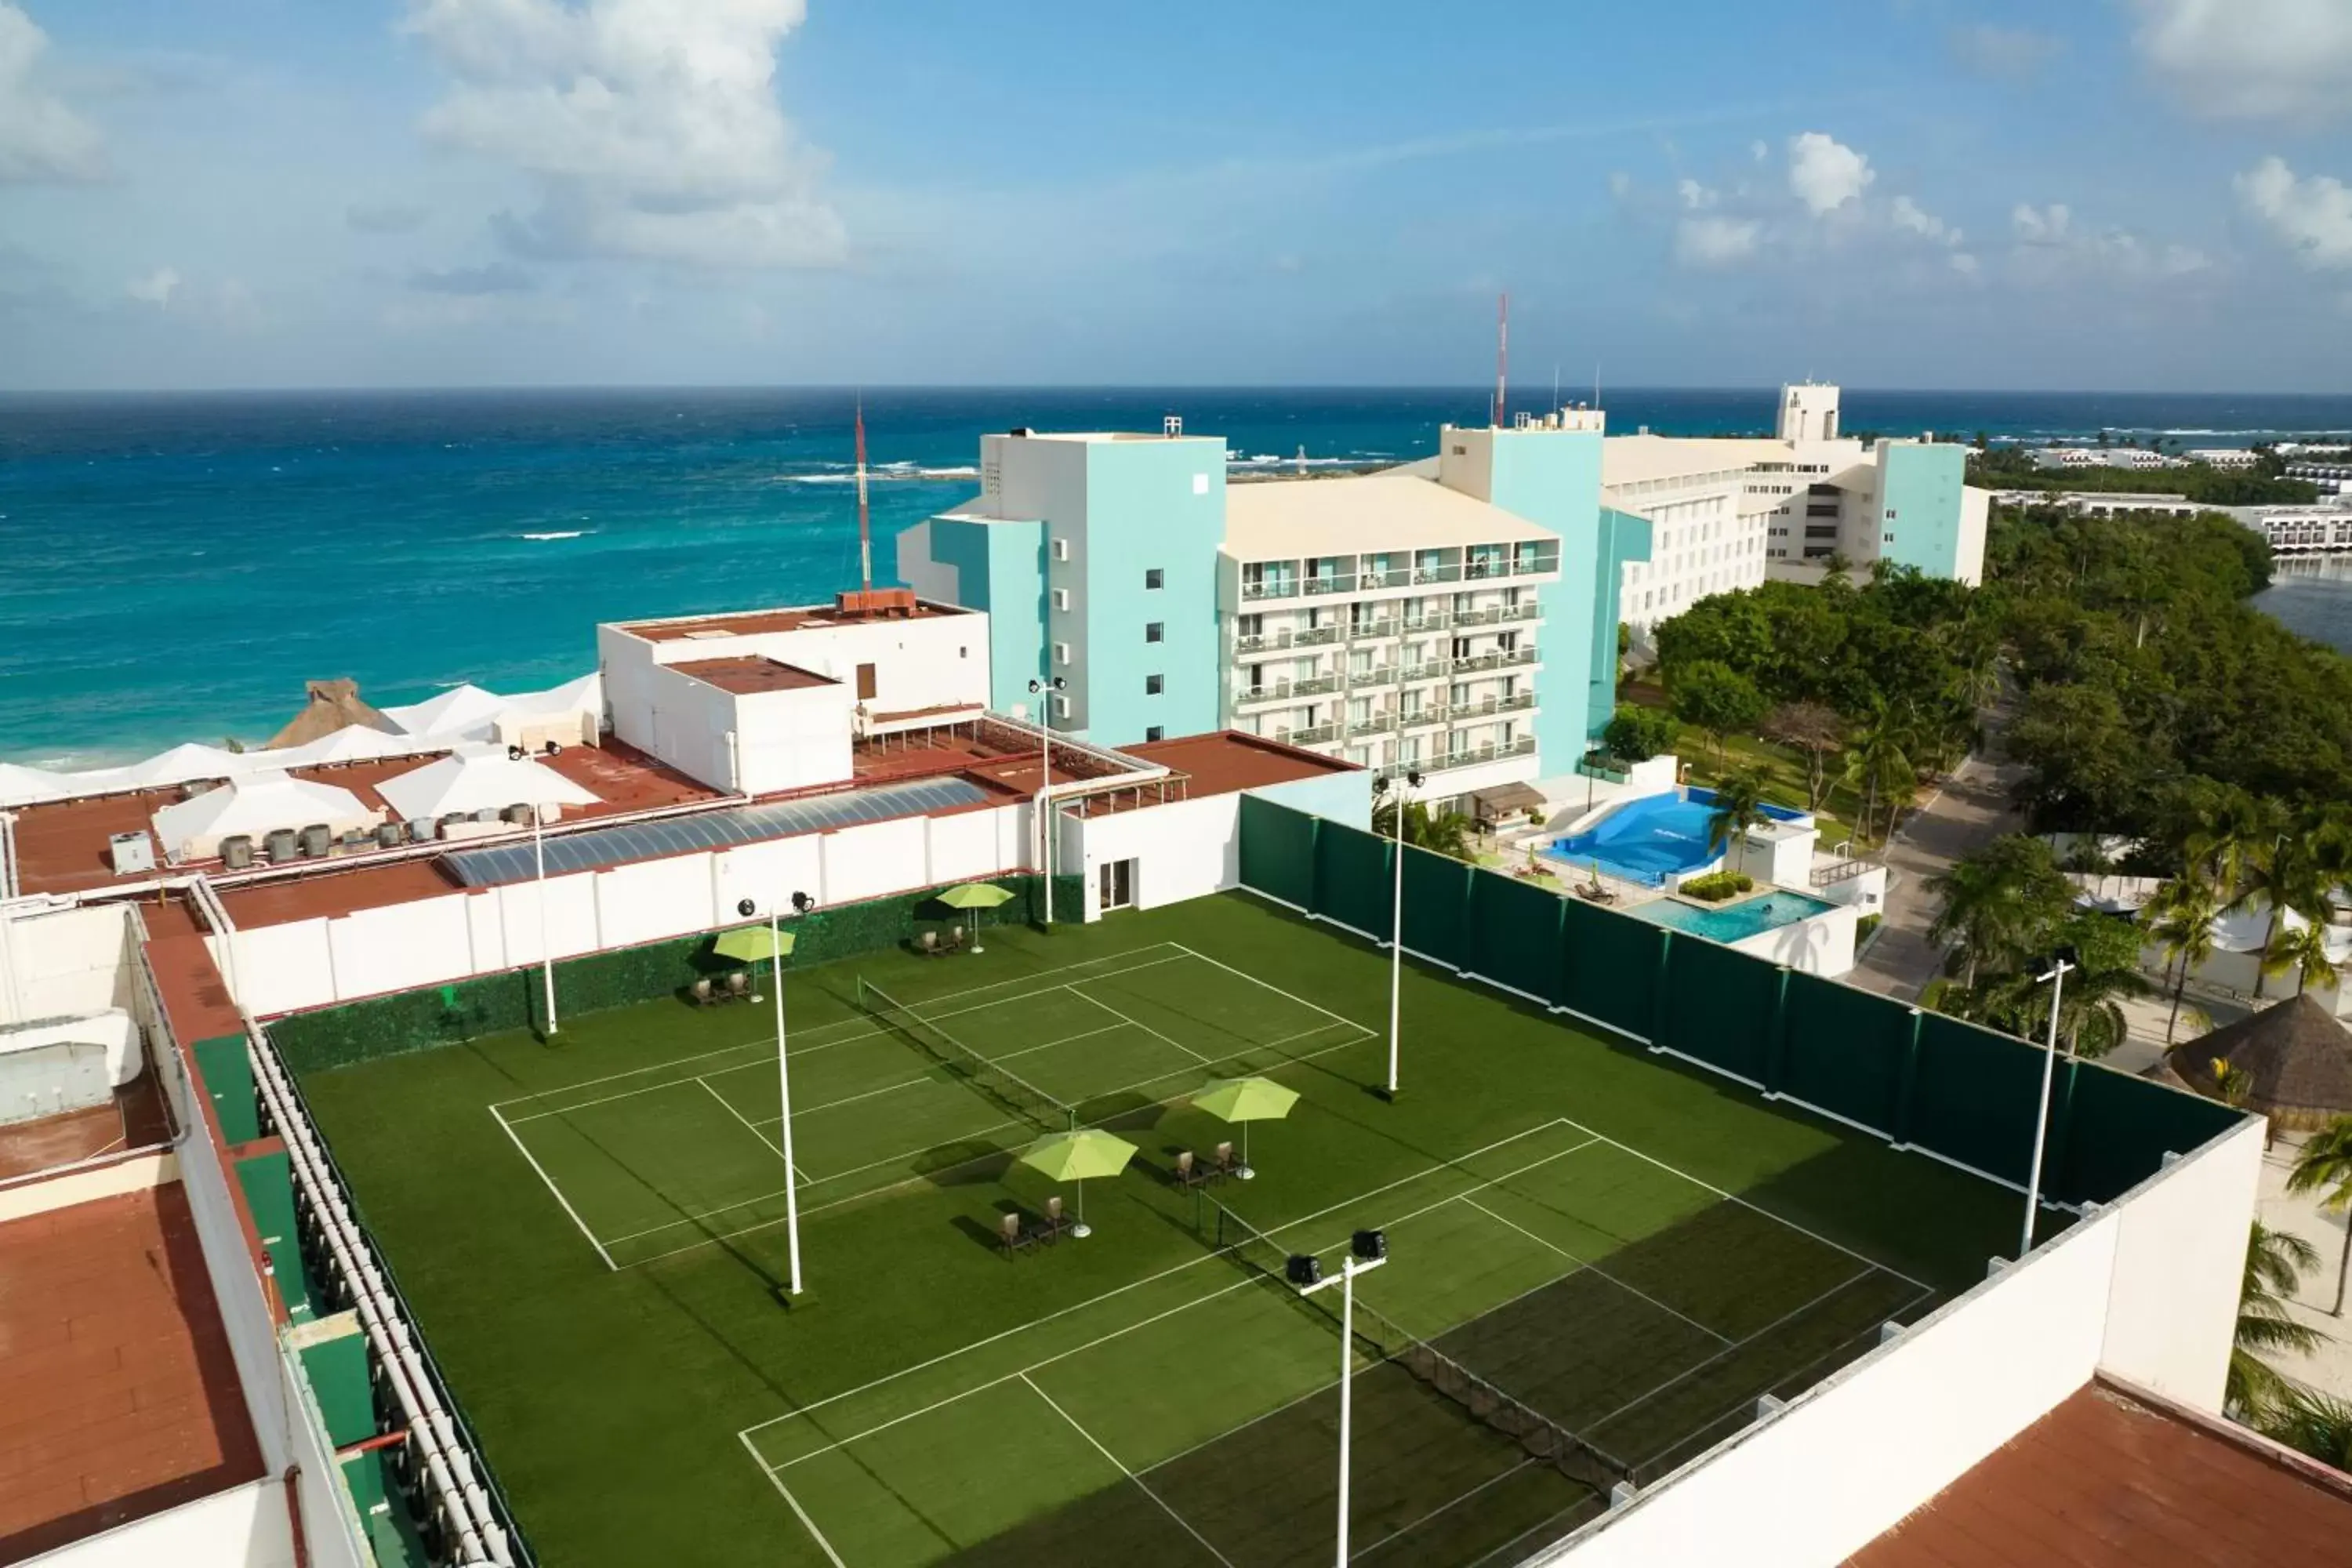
2180 919
1636 734
2282 876
1878 763
2313 1422
1999 901
2275 1262
1739 806
1814 730
1441 833
2301 951
2325 1166
1715 700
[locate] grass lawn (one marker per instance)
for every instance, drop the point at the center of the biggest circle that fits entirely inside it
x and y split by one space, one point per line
591 1231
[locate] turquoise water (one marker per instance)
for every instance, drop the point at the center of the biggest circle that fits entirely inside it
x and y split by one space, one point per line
1733 922
172 568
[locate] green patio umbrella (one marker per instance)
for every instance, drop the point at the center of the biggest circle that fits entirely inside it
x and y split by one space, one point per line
1075 1157
748 944
975 896
1244 1101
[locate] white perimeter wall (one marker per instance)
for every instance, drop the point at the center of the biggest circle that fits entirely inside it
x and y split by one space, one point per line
64 963
431 941
244 1527
2146 1289
1822 945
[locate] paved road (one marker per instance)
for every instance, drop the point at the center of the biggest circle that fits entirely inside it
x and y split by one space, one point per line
1972 809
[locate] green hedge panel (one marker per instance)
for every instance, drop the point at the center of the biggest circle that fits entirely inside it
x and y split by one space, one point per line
2120 1128
1846 1050
1436 906
1279 851
1611 966
496 1004
1515 935
1719 1007
1974 1097
1354 883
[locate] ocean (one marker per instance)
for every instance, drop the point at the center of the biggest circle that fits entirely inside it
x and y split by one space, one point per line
173 568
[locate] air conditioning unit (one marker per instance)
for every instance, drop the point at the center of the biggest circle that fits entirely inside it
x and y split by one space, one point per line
236 851
132 852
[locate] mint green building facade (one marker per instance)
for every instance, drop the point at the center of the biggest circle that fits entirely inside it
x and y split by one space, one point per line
1922 518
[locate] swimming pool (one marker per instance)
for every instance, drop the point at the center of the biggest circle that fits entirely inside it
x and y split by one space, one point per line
1733 922
1650 839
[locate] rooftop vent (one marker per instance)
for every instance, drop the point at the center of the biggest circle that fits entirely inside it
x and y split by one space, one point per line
877 601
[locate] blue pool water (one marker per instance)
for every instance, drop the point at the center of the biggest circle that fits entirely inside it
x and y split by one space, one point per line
1749 918
1647 840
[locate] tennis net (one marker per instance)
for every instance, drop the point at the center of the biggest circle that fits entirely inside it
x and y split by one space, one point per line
1537 1433
1000 1083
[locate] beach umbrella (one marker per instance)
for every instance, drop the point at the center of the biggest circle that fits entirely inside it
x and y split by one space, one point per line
1075 1157
1243 1100
748 944
975 896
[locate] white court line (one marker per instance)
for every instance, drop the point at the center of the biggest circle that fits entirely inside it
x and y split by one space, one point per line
556 1191
1246 975
1759 1208
1156 1316
1072 989
1591 1268
914 1082
869 1031
776 1149
1138 1284
1696 1367
1404 1531
807 1210
798 1511
1131 1475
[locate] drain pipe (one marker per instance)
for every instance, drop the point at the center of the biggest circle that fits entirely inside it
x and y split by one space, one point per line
481 1538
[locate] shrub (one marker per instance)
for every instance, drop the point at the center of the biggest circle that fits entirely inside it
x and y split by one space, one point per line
1716 887
1636 734
1863 927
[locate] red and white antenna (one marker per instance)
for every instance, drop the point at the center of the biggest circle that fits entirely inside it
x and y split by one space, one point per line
1502 356
864 527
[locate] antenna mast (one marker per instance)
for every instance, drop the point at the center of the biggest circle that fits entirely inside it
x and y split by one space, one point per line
1502 356
864 527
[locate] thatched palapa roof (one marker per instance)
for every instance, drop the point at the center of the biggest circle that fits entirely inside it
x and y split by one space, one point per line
334 705
2297 1059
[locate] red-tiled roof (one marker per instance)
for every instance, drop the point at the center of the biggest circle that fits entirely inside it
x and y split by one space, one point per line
747 674
751 622
2116 1479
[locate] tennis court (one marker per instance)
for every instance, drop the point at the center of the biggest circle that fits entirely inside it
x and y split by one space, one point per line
1598 1261
689 1151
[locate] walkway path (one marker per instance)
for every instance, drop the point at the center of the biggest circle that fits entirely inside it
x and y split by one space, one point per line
1971 809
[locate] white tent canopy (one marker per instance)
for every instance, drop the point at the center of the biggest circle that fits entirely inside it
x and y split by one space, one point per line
352 743
254 805
185 763
455 711
477 777
22 786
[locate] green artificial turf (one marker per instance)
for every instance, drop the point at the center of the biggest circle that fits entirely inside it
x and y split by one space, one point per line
1631 1251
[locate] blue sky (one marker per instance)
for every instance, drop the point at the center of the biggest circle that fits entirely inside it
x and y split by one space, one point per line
2105 193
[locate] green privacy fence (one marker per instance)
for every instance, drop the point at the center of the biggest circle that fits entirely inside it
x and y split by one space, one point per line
495 1004
1920 1079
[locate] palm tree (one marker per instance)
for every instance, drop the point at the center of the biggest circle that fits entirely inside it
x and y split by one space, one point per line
1441 833
2313 1422
1877 761
1739 806
2232 1085
2302 949
2284 876
2180 918
2325 1166
2235 828
2275 1260
1997 901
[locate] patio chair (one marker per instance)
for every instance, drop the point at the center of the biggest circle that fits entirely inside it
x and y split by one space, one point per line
1009 1234
1052 1229
1227 1164
928 943
699 992
739 984
1185 1175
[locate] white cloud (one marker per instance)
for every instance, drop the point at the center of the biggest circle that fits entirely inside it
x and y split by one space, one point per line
2051 247
1906 214
652 127
1964 264
1711 240
2252 59
2313 217
156 288
2015 53
1696 196
1825 174
41 138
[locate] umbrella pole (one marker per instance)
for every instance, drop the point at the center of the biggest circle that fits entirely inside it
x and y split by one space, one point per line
1082 1227
975 931
1244 1173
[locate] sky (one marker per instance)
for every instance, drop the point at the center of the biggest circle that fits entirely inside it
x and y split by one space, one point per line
2128 195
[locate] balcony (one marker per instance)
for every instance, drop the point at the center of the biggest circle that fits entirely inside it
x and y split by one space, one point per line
1377 724
1273 642
1320 735
1380 675
1329 584
1288 691
1369 631
1273 588
1509 659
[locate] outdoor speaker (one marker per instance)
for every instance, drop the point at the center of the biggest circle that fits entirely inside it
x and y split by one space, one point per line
1371 1245
745 906
1304 1270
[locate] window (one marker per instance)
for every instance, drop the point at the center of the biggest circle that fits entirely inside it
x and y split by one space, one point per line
1061 549
1061 705
1155 731
1154 578
1061 598
1155 631
1154 684
1890 514
1061 653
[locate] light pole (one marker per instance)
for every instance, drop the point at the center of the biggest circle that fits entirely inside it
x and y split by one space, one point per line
1367 1250
546 957
1045 691
1410 782
777 949
2061 964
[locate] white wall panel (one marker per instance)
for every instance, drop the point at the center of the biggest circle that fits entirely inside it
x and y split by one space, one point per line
571 917
2180 1255
402 946
282 967
244 1527
769 873
1185 849
486 926
64 963
654 898
963 847
879 858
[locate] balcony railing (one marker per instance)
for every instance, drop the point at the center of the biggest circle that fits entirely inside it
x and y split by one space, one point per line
1321 734
1401 577
1367 631
1270 642
1380 675
1329 584
1286 691
1524 746
1273 588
